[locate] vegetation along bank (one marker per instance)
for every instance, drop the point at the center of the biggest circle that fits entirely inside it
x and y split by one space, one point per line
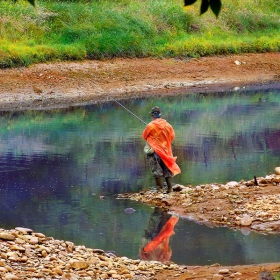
78 30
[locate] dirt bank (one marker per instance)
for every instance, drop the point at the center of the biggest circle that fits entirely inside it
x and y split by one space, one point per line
74 83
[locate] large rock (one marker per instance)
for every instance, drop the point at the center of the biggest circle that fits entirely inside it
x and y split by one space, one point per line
277 170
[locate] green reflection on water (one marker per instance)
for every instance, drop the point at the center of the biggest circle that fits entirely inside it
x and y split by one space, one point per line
219 137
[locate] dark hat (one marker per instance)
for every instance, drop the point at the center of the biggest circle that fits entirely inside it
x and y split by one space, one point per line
155 111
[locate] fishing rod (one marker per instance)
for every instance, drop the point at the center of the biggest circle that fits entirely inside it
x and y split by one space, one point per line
128 110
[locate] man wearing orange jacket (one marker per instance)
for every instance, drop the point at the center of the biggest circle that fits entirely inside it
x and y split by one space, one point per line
159 134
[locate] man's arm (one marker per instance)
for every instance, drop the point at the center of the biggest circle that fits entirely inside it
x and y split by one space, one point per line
147 131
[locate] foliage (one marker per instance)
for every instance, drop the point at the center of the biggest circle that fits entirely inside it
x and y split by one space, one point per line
69 30
215 5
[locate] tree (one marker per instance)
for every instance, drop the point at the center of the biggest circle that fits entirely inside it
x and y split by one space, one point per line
215 5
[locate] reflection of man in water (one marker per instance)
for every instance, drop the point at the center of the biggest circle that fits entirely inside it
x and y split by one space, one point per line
156 237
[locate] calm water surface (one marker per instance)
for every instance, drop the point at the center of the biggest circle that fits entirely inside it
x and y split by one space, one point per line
55 165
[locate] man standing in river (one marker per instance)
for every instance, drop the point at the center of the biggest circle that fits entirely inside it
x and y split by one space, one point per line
159 134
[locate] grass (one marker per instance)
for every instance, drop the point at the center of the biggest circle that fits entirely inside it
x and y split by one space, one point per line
77 30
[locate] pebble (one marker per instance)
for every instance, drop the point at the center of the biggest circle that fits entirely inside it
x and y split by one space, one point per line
129 210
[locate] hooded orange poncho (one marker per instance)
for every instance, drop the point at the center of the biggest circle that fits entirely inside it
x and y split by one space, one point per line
159 134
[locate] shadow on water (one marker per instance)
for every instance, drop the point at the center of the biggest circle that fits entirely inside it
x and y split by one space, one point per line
57 167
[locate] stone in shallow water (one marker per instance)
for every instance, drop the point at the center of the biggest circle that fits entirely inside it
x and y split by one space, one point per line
277 170
129 210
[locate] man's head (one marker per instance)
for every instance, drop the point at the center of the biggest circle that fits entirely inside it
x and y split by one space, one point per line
155 112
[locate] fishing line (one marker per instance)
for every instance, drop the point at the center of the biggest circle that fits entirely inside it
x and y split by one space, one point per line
127 110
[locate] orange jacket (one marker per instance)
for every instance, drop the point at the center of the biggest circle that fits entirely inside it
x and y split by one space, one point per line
160 134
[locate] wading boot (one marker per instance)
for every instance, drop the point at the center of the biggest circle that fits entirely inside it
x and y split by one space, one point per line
169 184
159 183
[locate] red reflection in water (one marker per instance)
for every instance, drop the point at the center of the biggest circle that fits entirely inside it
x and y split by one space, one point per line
156 238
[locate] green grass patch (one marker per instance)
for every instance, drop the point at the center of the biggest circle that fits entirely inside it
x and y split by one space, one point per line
77 30
197 47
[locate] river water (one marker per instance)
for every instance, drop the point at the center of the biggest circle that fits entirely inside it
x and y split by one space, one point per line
61 168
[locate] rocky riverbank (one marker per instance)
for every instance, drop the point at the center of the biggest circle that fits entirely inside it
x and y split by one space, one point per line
246 205
30 255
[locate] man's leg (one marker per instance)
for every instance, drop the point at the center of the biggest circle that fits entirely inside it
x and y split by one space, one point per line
157 173
169 184
159 183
